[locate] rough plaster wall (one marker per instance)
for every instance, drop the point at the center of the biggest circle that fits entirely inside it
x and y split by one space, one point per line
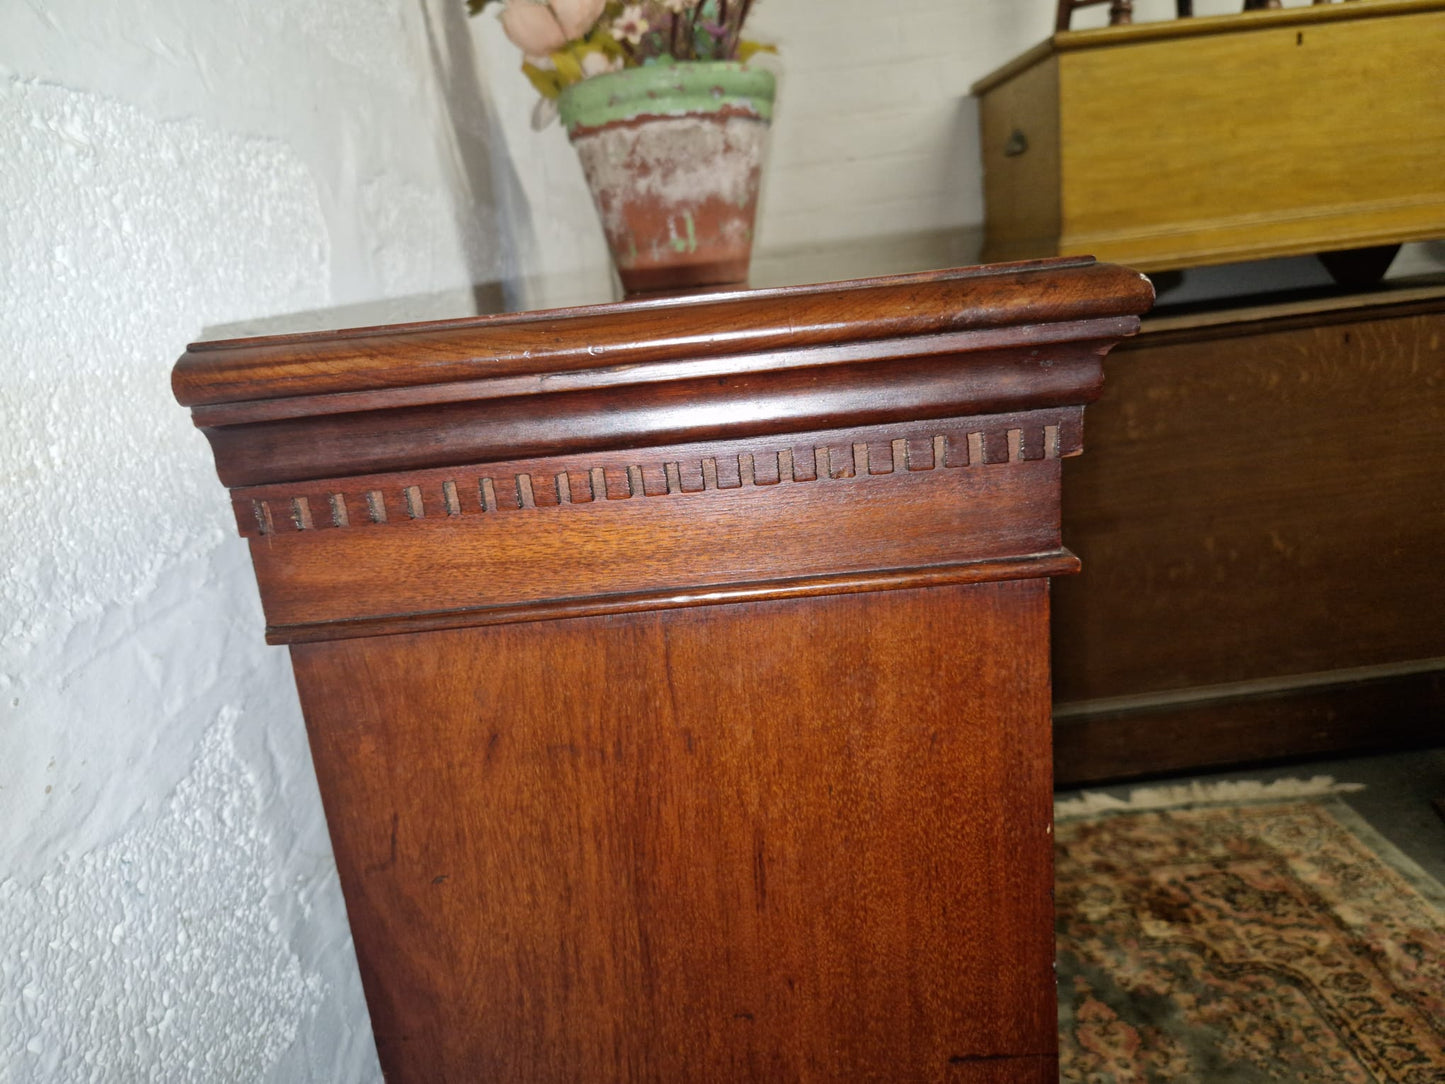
168 901
136 931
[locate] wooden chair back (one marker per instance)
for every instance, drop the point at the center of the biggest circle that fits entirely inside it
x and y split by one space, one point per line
1122 11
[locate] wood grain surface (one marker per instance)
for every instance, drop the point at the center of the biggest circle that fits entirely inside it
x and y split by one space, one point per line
1019 135
1227 138
1305 717
677 672
389 438
673 525
1261 502
786 841
614 339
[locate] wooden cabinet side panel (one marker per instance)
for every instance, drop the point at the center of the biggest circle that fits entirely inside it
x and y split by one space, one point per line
796 840
1019 144
1257 506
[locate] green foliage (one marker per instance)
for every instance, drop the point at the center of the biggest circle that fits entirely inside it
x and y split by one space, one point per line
569 63
749 49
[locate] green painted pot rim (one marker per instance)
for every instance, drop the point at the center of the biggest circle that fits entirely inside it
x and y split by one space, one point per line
667 90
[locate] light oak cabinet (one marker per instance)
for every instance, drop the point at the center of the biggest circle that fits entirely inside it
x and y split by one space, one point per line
1213 140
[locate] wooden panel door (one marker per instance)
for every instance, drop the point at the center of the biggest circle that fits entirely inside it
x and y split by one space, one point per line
788 840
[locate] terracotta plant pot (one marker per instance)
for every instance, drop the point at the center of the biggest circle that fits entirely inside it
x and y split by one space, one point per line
673 154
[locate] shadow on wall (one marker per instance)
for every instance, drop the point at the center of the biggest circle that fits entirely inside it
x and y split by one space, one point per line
487 177
962 185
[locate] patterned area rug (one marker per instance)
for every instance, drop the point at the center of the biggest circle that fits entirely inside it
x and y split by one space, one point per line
1278 941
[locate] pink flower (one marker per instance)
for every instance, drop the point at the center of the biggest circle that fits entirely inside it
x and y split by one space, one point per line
577 16
532 27
630 25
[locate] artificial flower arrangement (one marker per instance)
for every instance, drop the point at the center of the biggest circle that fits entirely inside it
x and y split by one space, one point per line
669 123
566 41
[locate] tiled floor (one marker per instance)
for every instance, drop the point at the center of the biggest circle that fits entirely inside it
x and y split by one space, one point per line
1396 801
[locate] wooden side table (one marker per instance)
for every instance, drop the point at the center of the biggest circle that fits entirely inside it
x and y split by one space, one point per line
677 671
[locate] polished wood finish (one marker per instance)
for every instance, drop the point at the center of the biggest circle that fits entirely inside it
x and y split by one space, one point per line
1260 514
1371 710
1021 142
690 845
569 349
627 530
676 673
1209 140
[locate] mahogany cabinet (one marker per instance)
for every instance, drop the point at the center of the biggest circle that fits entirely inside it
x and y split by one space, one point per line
677 671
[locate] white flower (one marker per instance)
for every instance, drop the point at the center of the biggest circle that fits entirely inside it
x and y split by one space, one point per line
630 25
677 7
597 63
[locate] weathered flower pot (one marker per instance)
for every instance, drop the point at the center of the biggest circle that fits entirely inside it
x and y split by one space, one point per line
673 154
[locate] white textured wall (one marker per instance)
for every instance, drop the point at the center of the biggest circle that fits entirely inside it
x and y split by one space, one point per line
168 902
